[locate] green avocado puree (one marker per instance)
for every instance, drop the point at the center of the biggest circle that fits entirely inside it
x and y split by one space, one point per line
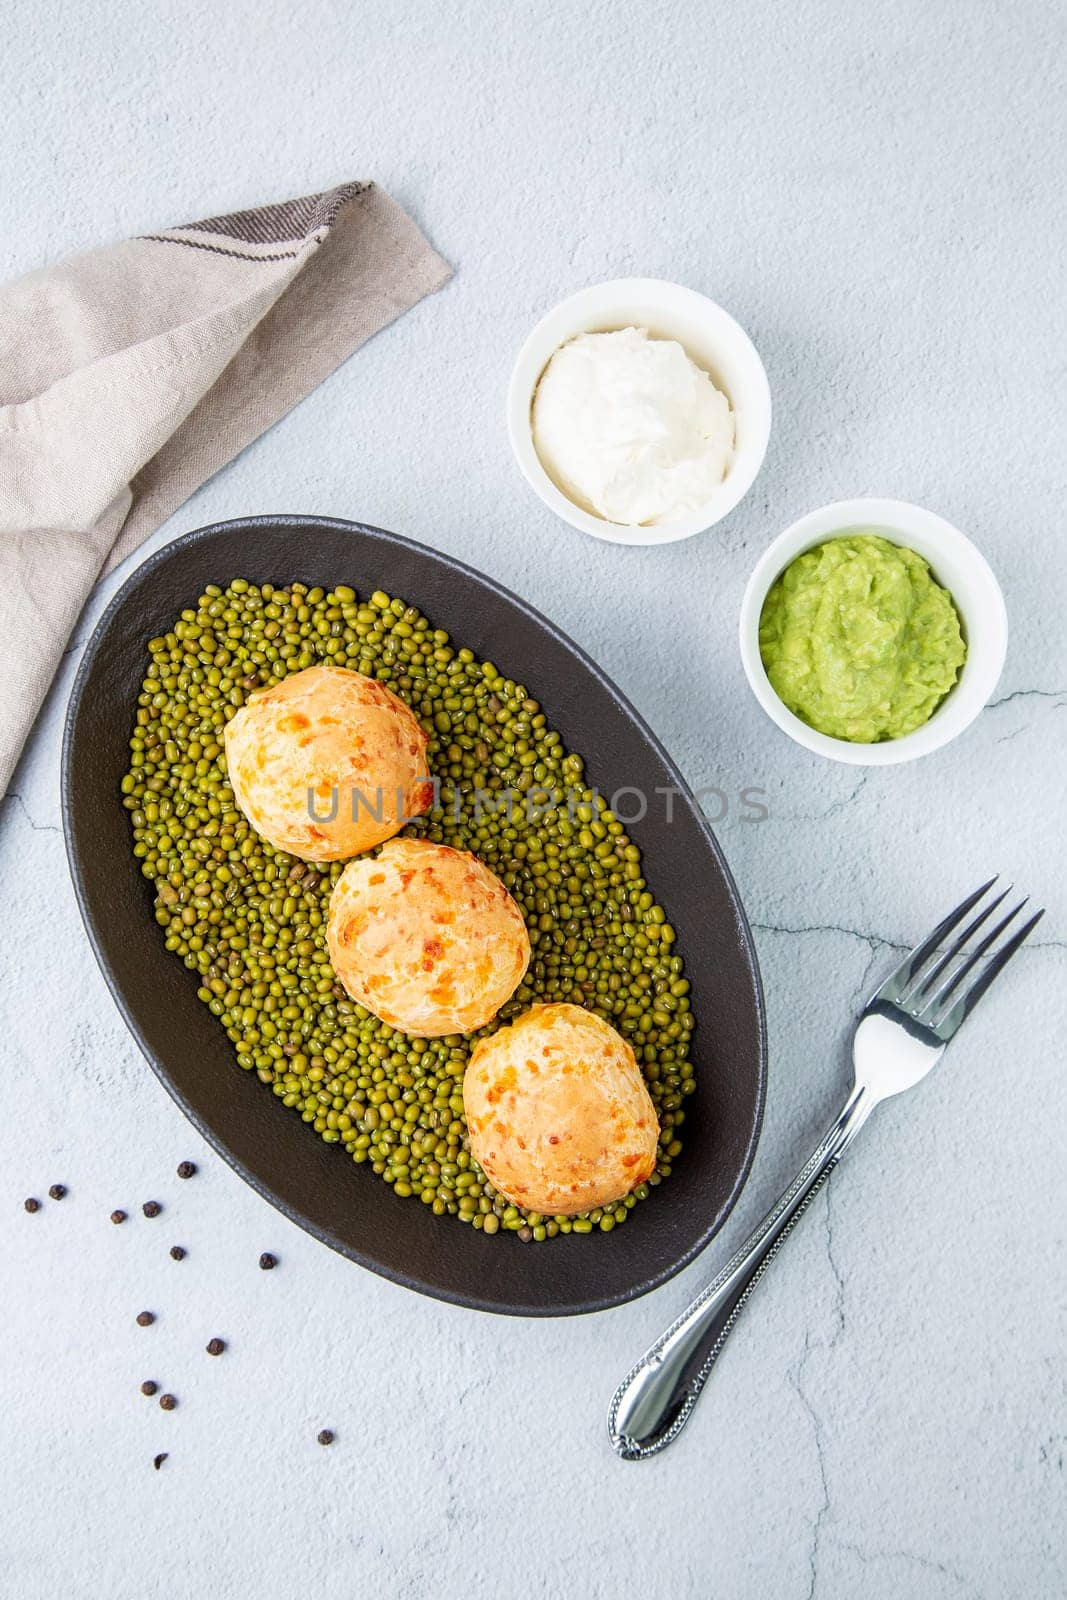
859 640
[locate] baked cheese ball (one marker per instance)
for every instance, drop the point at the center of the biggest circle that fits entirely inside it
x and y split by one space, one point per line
327 763
559 1116
427 938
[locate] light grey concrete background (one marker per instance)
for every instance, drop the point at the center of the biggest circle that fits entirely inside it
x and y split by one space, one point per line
872 191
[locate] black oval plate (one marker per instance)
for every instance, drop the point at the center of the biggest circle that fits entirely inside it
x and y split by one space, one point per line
346 1207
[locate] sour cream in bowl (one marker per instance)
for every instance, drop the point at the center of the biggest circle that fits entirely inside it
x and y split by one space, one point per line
639 411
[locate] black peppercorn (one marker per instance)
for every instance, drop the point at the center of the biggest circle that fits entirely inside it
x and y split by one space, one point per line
168 1402
145 1319
326 1436
178 1252
118 1216
57 1191
267 1261
148 1387
151 1208
186 1169
215 1347
35 1205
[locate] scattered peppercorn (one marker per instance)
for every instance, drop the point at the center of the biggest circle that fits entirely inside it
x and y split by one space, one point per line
151 1208
145 1319
157 1461
186 1169
118 1216
57 1191
267 1261
215 1347
178 1252
168 1402
148 1387
35 1205
326 1436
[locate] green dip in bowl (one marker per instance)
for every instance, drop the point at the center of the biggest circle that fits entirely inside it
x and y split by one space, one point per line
859 639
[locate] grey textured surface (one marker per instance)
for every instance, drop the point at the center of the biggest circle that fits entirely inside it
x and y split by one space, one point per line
872 193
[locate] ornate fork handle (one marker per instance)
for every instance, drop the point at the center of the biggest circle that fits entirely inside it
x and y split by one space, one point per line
656 1398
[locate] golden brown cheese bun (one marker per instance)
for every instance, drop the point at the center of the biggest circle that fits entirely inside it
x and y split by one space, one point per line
342 738
560 1119
427 938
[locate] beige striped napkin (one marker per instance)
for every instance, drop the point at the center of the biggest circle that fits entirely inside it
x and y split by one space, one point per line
129 375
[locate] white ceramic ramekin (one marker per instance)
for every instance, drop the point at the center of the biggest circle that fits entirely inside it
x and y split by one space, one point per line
955 563
711 338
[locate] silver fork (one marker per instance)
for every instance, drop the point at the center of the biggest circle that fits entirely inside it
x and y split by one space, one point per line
902 1033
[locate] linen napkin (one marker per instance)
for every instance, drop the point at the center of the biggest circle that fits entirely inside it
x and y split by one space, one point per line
129 375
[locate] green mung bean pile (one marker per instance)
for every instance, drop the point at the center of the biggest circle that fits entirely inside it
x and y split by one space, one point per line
251 921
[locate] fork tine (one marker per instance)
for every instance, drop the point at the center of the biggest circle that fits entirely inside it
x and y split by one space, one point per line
902 978
960 943
962 1008
936 1001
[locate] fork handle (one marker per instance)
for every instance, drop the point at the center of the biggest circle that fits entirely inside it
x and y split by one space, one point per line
656 1398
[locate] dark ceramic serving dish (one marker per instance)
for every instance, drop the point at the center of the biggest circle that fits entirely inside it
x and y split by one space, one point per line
342 1204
